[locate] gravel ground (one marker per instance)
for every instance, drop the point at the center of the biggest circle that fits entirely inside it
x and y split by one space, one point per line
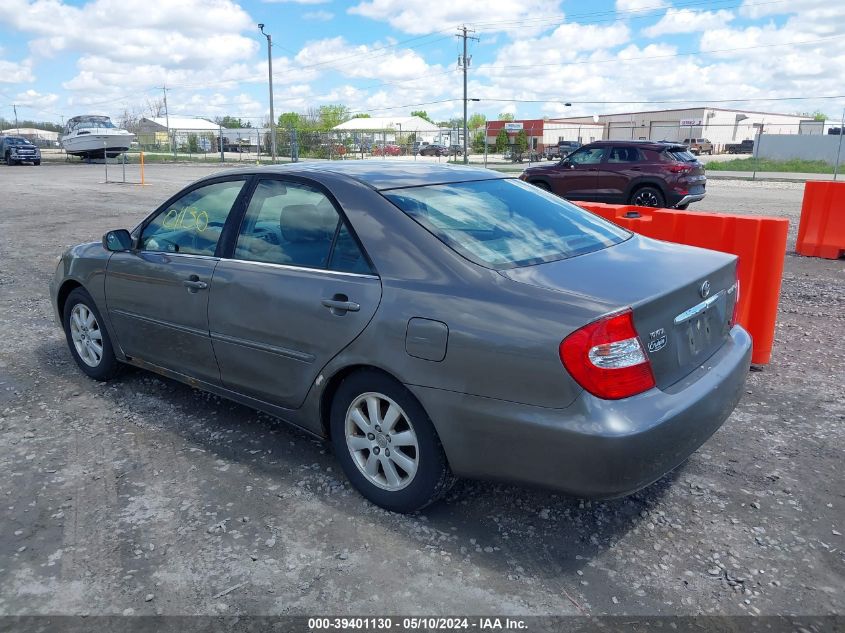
145 496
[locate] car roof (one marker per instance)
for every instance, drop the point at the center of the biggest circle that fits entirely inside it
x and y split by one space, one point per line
657 145
380 174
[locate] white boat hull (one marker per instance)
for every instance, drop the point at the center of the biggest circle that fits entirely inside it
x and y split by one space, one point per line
93 145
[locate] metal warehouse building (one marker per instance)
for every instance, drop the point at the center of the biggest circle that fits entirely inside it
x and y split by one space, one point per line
719 125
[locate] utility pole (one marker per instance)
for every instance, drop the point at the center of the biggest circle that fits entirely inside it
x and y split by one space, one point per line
464 63
167 119
270 77
17 129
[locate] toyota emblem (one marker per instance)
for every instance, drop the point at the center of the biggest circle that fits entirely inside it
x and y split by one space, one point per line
704 291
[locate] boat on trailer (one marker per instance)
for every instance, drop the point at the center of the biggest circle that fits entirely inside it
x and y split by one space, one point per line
89 136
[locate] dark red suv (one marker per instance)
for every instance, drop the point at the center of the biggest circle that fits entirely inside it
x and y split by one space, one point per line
644 173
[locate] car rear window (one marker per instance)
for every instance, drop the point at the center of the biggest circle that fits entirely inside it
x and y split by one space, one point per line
682 155
505 223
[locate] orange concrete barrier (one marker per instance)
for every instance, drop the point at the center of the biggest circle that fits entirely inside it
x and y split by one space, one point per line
760 243
821 232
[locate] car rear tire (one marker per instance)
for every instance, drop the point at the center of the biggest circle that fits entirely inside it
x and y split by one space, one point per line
37 163
386 444
87 337
648 197
542 185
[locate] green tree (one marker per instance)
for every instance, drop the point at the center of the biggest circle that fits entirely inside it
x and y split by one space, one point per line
478 141
231 122
422 114
501 140
361 115
288 120
330 116
476 121
505 116
193 143
521 141
818 115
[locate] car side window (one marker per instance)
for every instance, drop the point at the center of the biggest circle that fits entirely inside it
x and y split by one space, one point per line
297 225
589 156
623 155
192 224
347 256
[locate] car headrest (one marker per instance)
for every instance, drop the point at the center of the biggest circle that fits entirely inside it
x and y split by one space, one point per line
307 223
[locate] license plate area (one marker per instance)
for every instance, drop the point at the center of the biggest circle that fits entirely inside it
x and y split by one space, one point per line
701 329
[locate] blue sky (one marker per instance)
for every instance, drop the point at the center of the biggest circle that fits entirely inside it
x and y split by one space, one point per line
68 57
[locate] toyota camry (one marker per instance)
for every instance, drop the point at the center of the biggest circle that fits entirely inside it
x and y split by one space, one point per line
430 321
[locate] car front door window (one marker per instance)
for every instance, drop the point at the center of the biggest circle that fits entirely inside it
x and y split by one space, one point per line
192 224
591 156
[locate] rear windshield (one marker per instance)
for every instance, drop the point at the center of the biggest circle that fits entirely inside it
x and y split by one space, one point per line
505 223
681 155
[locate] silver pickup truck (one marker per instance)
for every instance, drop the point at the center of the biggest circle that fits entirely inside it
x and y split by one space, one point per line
16 149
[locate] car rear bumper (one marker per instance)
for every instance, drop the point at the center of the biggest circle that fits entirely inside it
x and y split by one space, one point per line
593 448
690 198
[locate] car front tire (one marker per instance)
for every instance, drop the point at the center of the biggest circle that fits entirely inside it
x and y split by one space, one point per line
386 444
87 337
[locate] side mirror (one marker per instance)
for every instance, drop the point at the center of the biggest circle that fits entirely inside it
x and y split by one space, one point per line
118 240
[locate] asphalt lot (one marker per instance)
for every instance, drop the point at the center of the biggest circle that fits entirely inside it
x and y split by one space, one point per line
145 496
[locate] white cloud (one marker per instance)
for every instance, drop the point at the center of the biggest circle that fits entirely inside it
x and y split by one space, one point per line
16 72
34 99
688 21
638 6
295 1
425 16
318 16
185 33
756 9
378 60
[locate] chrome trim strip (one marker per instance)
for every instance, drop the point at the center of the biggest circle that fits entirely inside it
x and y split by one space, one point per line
697 309
301 268
167 324
173 254
263 347
694 197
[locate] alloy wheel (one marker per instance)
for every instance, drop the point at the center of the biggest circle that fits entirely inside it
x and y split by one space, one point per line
86 335
646 199
382 441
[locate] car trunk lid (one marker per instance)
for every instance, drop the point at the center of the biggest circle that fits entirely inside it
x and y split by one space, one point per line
682 297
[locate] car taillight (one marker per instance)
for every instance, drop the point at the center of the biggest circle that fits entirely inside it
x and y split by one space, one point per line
607 359
679 168
735 288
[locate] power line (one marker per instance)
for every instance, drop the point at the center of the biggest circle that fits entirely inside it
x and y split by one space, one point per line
658 101
644 11
646 57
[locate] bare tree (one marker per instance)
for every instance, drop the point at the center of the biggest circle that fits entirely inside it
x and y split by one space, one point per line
130 119
155 106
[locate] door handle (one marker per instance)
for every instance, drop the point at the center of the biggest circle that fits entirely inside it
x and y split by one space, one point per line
340 305
193 284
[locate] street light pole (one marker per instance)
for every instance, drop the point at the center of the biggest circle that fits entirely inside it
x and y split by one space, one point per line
270 77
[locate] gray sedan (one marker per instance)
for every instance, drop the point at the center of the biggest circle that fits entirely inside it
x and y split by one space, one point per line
431 321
